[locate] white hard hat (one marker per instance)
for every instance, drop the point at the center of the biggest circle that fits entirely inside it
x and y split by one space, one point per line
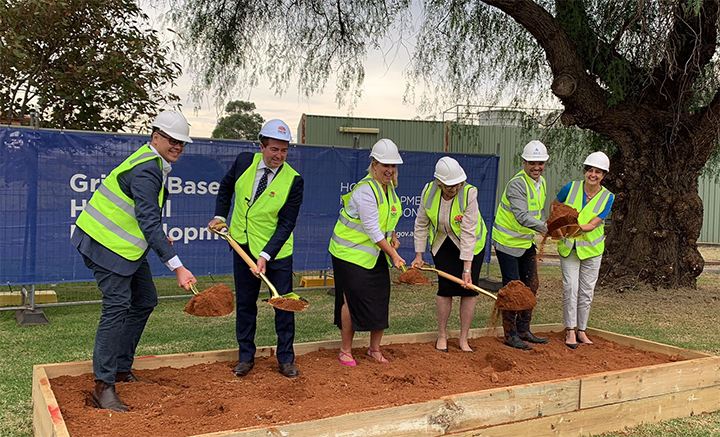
276 129
535 151
449 172
598 160
386 152
174 124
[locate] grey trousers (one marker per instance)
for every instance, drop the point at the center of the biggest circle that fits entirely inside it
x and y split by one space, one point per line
579 278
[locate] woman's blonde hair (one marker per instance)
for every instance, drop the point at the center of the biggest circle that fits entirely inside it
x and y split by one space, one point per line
371 170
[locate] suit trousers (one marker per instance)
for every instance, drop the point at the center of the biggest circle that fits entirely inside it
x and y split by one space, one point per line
518 268
247 291
127 302
579 278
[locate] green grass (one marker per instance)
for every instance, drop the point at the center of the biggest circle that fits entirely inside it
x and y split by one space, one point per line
685 318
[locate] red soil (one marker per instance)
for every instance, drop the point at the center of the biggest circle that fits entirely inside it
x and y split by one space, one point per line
216 301
413 276
562 215
515 296
209 398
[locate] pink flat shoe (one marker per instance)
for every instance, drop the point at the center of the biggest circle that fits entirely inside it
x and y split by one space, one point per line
371 353
351 362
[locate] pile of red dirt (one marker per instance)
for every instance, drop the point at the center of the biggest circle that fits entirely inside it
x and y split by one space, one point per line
208 398
562 215
413 276
515 296
216 301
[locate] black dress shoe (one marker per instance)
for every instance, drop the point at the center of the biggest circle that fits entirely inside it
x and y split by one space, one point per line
584 342
571 345
127 377
515 342
529 336
243 368
105 397
288 370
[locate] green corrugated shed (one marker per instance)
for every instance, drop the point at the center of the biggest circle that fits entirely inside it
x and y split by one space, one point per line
440 136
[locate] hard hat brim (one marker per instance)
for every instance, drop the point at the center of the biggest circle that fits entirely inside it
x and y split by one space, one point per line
541 158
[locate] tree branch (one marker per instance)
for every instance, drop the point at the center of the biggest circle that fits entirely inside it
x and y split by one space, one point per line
588 101
691 45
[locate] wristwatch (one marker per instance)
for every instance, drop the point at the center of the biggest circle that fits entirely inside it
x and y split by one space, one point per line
467 271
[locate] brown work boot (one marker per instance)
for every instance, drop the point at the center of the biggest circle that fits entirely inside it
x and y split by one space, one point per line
104 396
127 377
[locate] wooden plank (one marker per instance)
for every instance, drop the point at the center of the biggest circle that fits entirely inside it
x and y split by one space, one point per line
503 405
453 413
647 345
611 387
610 417
47 420
402 421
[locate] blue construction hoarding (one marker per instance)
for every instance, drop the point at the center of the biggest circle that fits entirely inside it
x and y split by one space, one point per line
47 176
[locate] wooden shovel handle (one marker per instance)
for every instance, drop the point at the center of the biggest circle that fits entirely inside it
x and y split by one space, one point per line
458 280
249 261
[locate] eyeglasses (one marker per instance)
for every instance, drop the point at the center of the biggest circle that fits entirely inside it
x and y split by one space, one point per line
171 140
450 187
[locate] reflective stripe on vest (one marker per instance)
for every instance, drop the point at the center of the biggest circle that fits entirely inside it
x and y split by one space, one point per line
349 241
592 243
506 230
254 224
431 203
109 216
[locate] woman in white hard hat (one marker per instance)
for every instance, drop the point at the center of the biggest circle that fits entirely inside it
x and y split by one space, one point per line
449 219
581 250
362 243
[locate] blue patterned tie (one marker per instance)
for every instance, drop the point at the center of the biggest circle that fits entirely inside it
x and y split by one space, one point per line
262 184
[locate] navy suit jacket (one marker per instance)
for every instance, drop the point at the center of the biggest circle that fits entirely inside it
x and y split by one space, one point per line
287 216
142 184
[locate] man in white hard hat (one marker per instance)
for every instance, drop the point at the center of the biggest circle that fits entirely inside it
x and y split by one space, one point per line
268 194
114 233
518 218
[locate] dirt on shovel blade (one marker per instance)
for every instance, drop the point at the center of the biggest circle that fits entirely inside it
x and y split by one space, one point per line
562 215
413 276
515 296
216 301
286 304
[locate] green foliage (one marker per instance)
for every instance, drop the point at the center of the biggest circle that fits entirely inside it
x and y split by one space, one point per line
241 123
92 64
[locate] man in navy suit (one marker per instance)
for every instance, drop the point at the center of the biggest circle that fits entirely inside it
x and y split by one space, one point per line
114 233
268 193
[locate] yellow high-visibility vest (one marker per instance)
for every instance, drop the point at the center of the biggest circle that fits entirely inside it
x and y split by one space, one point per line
431 203
254 224
506 230
109 216
349 241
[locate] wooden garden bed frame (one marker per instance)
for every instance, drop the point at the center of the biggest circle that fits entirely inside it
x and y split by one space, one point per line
589 404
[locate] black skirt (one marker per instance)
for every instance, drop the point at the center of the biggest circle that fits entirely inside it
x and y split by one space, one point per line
367 292
448 260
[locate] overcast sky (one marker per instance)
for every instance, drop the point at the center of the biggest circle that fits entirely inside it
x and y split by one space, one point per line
383 91
383 98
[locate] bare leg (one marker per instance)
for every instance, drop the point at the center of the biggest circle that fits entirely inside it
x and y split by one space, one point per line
467 311
374 351
443 306
346 331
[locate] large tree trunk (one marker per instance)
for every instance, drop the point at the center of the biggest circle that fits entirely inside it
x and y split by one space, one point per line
657 215
655 221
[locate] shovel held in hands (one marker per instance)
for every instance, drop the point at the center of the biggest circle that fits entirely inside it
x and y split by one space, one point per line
287 302
426 267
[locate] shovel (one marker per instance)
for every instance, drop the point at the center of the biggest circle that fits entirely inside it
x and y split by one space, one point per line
426 267
287 302
567 231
